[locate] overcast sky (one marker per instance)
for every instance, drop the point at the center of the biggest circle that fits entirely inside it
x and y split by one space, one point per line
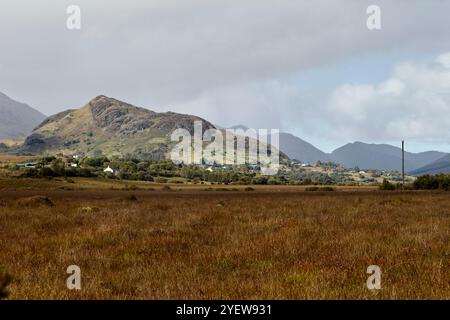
307 67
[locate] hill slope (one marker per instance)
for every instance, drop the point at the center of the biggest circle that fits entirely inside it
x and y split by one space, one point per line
17 119
296 148
106 126
381 156
441 165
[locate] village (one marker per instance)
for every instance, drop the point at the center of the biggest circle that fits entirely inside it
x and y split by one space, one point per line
290 171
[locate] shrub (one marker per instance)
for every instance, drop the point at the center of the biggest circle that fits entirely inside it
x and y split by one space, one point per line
260 180
175 180
161 180
430 182
95 162
386 185
327 189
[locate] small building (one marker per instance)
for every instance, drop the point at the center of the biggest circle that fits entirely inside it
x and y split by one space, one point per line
108 170
28 164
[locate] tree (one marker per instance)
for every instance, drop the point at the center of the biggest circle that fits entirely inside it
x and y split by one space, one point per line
58 167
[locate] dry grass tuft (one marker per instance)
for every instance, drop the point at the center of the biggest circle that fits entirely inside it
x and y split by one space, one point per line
35 201
88 209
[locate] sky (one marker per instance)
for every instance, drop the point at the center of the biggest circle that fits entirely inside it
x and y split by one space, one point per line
311 68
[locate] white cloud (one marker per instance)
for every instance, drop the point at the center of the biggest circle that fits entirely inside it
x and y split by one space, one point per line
414 102
167 52
393 87
444 59
257 105
231 61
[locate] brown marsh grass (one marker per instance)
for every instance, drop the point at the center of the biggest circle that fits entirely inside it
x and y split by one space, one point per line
194 244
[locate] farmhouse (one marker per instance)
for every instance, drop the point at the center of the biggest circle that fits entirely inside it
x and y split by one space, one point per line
108 170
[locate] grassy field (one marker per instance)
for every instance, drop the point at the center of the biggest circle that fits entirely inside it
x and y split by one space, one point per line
191 243
18 183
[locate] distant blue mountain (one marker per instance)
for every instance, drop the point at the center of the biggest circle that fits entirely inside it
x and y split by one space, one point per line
441 165
17 119
381 156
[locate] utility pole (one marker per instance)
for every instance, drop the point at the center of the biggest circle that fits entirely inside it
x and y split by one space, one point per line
403 165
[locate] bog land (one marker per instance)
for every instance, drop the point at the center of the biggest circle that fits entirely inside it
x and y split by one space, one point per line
151 241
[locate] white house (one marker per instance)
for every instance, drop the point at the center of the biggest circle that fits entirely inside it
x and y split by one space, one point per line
108 170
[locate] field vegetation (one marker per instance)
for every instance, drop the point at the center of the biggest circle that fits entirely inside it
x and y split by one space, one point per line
198 242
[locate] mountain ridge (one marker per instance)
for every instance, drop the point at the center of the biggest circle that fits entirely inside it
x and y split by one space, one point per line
441 165
381 156
111 127
108 126
17 119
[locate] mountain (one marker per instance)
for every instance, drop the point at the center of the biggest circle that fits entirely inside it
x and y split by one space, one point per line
442 165
106 126
359 154
381 156
240 127
296 148
17 119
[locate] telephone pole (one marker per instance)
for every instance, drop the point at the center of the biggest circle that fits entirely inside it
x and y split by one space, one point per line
403 165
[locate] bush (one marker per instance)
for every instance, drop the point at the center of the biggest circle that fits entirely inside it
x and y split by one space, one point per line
432 182
161 180
95 162
176 181
327 189
386 185
260 180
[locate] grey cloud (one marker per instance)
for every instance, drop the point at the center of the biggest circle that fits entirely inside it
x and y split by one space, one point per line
211 58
